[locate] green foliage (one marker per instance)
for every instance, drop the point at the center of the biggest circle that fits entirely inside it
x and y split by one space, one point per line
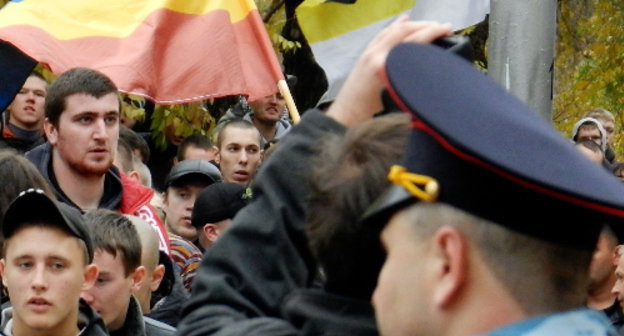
45 72
133 107
169 122
284 45
478 35
274 16
588 71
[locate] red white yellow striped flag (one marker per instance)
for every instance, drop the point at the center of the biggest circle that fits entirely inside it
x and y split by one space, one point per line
169 51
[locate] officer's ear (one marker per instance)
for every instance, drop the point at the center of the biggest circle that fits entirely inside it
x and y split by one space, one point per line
450 265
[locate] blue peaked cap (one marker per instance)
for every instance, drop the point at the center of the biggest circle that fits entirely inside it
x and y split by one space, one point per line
490 155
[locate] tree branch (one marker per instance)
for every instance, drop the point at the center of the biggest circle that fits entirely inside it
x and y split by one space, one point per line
267 16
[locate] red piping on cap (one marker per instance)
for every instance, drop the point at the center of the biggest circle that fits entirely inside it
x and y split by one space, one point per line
418 124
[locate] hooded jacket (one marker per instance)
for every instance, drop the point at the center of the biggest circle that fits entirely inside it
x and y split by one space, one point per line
243 111
120 193
587 121
138 325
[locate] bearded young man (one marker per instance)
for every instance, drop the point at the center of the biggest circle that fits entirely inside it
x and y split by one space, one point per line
82 128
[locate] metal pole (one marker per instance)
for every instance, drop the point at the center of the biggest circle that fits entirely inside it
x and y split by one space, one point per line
521 52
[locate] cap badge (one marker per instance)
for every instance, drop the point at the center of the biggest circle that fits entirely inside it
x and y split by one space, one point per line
413 182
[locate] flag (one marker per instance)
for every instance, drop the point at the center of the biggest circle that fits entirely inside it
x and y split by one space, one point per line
338 32
169 51
14 70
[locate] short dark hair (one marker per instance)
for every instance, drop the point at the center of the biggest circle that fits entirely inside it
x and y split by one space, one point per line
114 233
76 80
195 140
350 173
237 123
18 174
135 141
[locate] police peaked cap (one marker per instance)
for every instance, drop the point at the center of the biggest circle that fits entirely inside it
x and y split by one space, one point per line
478 148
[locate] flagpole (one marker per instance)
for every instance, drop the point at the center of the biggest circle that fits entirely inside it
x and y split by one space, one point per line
275 68
290 102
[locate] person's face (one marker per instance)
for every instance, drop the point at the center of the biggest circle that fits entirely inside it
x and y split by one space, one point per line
589 133
26 111
178 205
110 296
268 108
399 298
239 155
44 271
609 127
86 137
193 153
173 135
618 288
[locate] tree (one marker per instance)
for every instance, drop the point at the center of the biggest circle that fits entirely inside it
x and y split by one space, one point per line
588 71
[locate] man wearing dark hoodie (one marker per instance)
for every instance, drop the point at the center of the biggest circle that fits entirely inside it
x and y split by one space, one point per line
47 262
82 128
117 254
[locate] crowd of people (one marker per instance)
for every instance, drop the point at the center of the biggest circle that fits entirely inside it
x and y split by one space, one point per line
465 214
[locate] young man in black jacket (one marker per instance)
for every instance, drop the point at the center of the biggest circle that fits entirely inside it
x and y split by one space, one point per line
118 256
